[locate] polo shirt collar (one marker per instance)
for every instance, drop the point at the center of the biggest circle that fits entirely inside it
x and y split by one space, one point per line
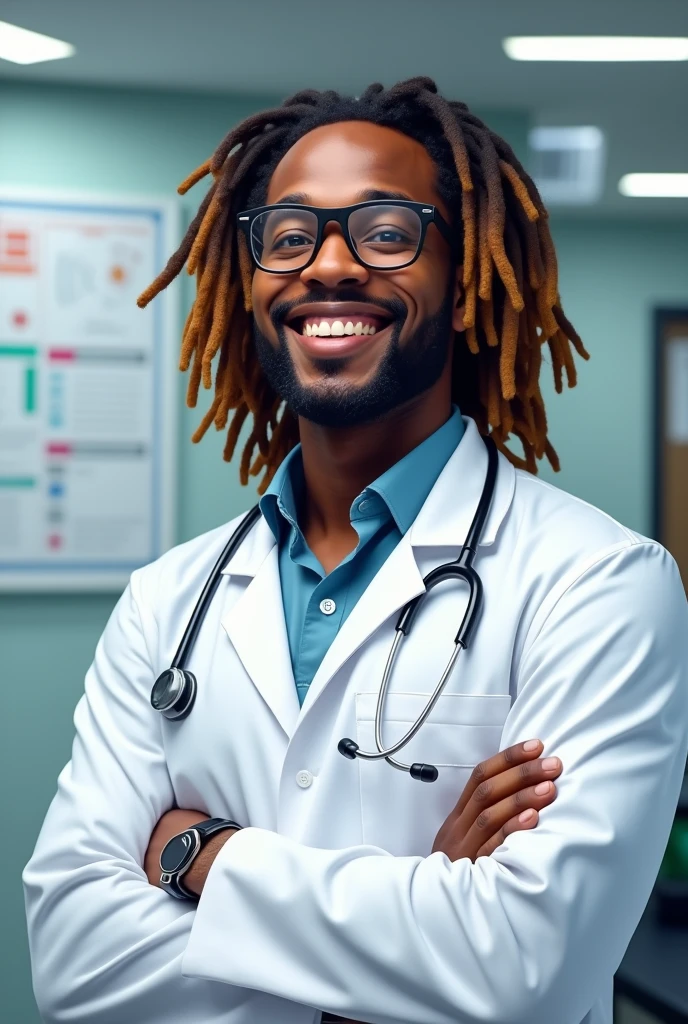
405 486
400 491
279 503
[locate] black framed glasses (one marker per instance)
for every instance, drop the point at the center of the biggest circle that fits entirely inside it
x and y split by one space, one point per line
382 234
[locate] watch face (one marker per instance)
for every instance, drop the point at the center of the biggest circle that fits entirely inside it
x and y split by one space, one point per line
178 852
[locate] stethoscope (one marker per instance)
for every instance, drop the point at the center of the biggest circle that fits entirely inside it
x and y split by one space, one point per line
174 691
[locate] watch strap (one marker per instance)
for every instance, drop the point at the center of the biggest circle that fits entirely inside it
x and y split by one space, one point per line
210 826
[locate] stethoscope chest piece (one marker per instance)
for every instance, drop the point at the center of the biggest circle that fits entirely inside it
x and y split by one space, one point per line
174 693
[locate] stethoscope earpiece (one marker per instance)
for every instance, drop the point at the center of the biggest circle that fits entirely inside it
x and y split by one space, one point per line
348 748
174 693
418 771
423 772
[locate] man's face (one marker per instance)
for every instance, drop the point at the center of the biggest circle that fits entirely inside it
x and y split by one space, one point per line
357 378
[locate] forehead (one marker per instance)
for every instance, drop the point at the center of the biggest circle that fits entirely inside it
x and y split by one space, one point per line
331 165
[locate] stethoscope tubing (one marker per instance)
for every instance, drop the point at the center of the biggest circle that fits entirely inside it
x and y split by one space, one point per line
174 691
461 569
212 583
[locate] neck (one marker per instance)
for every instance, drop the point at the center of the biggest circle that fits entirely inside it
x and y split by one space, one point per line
339 463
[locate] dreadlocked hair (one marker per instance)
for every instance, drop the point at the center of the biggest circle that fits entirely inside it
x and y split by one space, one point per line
510 278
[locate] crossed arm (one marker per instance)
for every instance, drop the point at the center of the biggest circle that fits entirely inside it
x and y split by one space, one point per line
494 939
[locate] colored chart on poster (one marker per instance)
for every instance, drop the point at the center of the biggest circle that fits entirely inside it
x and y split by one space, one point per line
86 390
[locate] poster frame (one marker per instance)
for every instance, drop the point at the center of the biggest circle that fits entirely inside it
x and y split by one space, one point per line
95 577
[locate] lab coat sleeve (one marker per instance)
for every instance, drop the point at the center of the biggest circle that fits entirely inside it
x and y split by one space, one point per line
533 933
105 945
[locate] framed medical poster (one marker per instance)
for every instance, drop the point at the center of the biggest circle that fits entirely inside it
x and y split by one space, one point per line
87 387
671 434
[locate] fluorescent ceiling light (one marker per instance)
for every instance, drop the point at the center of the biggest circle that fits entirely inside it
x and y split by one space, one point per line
669 186
24 47
595 48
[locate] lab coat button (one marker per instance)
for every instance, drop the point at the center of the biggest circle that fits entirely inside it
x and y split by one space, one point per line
327 607
304 778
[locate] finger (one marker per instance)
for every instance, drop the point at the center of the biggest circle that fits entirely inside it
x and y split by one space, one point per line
516 780
492 819
497 764
519 823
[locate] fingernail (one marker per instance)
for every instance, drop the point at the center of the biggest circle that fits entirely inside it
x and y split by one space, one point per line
526 815
531 745
550 763
543 788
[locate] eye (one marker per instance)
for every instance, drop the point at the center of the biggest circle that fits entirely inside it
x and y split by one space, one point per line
292 240
386 235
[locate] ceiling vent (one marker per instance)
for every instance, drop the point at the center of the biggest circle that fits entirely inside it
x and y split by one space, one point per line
568 164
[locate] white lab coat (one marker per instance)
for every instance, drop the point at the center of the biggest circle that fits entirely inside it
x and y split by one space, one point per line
330 898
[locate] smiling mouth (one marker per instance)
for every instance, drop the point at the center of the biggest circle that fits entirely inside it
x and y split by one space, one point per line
338 326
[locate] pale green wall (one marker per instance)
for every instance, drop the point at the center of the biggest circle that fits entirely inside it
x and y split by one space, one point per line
98 140
147 142
612 276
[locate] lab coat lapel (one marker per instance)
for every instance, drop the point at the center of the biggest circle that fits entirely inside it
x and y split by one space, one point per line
256 628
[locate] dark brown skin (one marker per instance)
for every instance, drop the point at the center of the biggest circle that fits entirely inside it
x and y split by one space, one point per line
329 167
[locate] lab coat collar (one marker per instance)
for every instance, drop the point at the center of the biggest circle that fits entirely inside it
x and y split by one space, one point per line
253 552
447 514
256 627
442 523
445 517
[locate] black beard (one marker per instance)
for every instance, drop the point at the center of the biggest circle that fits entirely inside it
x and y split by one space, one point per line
403 373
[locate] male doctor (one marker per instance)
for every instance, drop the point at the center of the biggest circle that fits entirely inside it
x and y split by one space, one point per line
376 284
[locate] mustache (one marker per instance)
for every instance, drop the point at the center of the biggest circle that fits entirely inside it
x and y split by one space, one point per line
395 307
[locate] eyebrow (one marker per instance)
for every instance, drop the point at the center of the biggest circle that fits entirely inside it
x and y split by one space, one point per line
365 196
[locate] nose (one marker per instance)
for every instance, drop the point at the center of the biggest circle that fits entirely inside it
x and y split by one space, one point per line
334 265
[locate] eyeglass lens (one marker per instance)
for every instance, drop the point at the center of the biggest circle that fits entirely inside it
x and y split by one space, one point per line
383 236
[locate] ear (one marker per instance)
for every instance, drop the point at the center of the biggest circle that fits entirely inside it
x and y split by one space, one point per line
459 303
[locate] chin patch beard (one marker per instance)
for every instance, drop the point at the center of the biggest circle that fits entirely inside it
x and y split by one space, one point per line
403 373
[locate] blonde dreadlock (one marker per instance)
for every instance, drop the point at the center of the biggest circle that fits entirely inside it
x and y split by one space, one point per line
512 303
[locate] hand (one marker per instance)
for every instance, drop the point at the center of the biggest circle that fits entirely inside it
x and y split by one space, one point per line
171 824
499 790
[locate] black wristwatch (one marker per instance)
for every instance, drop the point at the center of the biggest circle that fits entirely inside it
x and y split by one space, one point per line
180 852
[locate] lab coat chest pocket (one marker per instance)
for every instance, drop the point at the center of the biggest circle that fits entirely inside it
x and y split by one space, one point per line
398 813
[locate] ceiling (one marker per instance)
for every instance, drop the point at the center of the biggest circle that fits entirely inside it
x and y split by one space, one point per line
279 46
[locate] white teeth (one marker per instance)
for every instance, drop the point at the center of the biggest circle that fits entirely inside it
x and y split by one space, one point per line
336 329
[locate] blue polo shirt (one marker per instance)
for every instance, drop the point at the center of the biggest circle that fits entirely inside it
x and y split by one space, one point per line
315 603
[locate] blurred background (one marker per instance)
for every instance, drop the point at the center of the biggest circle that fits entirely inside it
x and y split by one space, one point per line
145 94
